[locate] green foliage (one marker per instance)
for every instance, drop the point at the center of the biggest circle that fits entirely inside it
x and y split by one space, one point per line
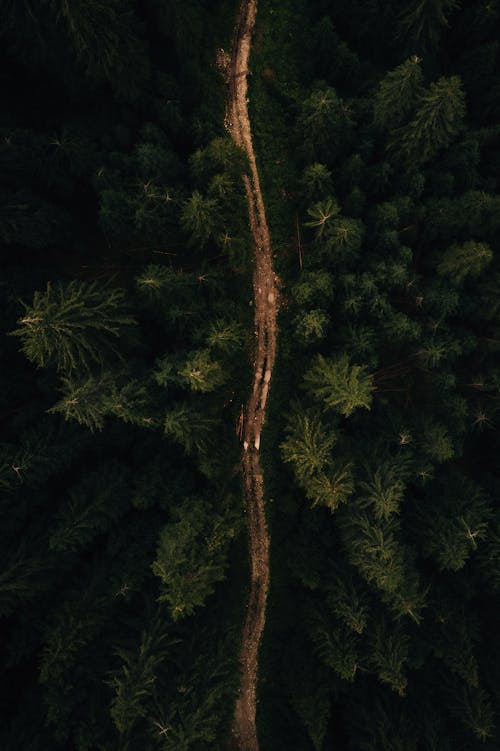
389 655
191 556
313 287
339 385
92 507
308 446
225 336
73 325
311 327
473 707
348 601
466 260
398 94
188 426
384 489
459 523
438 119
337 647
324 125
374 548
200 218
134 682
420 22
104 37
436 442
201 373
326 481
316 182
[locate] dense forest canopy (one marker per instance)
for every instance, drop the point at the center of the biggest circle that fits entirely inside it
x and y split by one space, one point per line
126 348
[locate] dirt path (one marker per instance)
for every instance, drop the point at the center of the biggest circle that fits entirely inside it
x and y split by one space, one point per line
265 301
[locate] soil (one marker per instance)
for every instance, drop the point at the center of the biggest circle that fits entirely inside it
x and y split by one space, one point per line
265 287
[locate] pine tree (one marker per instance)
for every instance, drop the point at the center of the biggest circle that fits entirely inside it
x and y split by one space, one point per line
92 507
388 654
191 556
473 708
456 526
73 325
316 182
88 400
225 336
189 425
312 326
324 125
104 35
467 260
313 287
437 121
348 601
421 22
398 94
339 385
200 218
374 549
384 489
323 215
134 682
201 373
337 646
326 481
308 445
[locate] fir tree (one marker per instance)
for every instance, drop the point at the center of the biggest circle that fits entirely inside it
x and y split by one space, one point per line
466 260
73 325
191 557
421 22
437 121
339 385
398 94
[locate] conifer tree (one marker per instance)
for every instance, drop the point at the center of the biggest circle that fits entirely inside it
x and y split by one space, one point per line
200 372
93 505
134 683
191 556
398 94
200 218
467 260
438 119
73 325
388 654
189 425
324 125
421 22
339 385
104 35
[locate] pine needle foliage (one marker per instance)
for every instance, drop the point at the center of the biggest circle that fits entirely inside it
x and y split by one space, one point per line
339 385
73 325
398 94
438 120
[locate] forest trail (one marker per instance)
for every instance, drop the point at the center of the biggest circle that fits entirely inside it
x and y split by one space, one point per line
265 286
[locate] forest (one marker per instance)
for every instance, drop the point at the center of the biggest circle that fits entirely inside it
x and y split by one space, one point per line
127 351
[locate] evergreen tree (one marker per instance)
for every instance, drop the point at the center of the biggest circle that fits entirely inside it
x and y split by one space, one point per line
461 261
339 385
104 37
421 22
398 94
191 557
73 325
438 119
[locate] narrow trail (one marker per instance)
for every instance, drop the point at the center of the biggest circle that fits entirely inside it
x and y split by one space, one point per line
265 287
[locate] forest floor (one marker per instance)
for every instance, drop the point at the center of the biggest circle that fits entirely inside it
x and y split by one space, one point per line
265 286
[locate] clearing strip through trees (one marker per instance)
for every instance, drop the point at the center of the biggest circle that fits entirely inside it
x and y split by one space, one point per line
265 288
